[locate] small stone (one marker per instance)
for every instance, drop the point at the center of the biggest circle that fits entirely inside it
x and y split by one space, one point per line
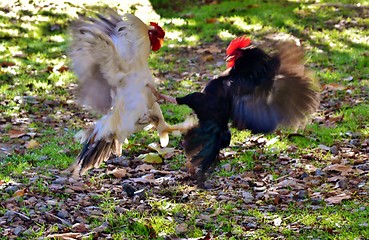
101 228
11 189
315 208
129 189
79 227
18 230
364 167
250 225
272 208
304 175
355 142
52 202
227 167
277 222
81 219
32 200
63 214
343 183
141 194
302 194
260 189
258 168
316 201
185 198
209 184
60 180
247 197
9 215
334 150
319 172
120 161
181 228
43 158
120 210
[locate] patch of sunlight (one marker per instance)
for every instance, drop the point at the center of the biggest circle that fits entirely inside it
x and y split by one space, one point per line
241 24
330 39
28 26
57 38
276 145
162 226
365 132
192 39
225 35
356 36
174 35
60 79
364 83
186 83
11 14
11 32
36 18
11 70
41 85
177 22
239 137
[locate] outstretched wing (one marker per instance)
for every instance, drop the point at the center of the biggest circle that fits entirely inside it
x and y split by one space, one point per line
95 59
278 92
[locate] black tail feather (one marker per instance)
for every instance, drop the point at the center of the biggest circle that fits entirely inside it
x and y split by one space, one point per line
203 143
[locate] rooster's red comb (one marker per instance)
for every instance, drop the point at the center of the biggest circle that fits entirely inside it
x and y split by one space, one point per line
240 42
160 31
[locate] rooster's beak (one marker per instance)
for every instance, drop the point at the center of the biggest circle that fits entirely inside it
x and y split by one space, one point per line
161 40
228 58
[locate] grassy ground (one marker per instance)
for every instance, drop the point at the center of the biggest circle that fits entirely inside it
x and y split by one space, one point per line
309 185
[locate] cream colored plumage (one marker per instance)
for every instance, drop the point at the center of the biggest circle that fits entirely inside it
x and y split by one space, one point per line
110 59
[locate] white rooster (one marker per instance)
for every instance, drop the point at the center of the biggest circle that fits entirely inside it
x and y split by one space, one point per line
110 58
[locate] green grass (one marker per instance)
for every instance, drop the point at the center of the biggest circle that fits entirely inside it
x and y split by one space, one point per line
37 95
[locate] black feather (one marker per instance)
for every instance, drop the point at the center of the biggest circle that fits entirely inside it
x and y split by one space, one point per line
260 92
203 143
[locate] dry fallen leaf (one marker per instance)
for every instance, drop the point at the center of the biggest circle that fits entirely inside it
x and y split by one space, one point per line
6 64
63 68
164 152
207 58
15 133
144 167
19 193
64 236
290 183
32 144
80 227
211 20
338 198
78 187
181 228
334 86
152 158
118 172
344 169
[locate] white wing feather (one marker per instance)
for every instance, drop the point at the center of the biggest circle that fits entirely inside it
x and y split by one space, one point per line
110 58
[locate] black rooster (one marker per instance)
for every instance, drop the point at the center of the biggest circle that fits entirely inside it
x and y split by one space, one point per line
258 92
